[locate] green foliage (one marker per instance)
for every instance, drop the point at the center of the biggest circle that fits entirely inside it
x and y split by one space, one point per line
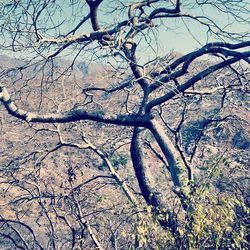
213 220
240 140
214 223
117 160
192 131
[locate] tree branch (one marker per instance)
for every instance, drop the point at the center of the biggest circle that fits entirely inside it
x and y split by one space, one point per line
70 116
194 79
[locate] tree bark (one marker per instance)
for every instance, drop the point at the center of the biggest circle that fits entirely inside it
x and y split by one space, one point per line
176 165
143 173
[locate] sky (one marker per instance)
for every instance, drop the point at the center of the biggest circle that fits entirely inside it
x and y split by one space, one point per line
180 35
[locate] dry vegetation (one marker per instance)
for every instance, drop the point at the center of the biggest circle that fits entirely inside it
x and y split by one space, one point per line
101 150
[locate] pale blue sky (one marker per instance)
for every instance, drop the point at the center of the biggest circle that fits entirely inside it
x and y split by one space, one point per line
181 35
176 34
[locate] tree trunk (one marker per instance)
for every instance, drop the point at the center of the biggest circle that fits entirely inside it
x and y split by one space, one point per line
143 173
176 165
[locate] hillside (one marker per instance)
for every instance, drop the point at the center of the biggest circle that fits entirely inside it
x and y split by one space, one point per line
48 172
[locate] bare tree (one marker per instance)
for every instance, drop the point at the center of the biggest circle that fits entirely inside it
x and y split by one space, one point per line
81 70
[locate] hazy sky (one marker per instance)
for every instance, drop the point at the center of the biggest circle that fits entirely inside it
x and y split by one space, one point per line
180 35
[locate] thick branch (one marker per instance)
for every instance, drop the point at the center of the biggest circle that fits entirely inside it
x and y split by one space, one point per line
93 5
84 37
70 116
176 165
143 173
186 60
173 158
194 79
